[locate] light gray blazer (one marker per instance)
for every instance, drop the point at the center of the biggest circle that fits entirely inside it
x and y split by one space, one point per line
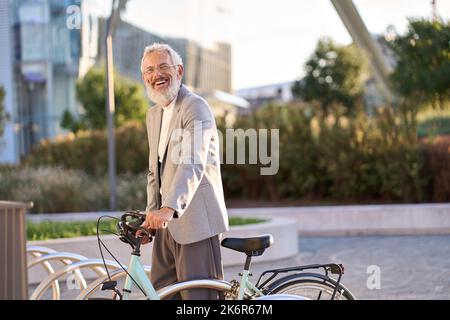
190 184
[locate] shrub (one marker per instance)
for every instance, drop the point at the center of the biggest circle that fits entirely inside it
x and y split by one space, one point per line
63 190
333 157
88 151
371 158
438 165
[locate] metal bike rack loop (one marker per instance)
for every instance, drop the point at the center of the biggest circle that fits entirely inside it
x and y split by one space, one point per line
89 263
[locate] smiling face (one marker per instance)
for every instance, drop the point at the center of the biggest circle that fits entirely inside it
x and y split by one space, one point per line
161 78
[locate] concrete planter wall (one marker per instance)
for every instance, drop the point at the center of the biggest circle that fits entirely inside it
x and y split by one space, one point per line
403 219
283 230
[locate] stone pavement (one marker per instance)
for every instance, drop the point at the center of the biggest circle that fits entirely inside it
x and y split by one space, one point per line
410 267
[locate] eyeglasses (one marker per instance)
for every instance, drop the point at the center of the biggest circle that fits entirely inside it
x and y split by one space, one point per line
163 68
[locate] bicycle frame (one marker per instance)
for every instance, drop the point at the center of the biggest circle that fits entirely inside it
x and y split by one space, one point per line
246 284
136 272
137 276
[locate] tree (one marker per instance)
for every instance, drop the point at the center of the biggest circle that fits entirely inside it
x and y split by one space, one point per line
422 72
91 93
334 74
4 116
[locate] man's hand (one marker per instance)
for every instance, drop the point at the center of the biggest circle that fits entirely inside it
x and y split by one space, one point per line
158 219
155 220
144 236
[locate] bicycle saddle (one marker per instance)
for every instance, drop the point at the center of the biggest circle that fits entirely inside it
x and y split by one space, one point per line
253 246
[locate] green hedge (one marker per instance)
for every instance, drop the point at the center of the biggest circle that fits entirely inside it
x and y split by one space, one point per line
55 190
438 168
347 159
335 159
88 151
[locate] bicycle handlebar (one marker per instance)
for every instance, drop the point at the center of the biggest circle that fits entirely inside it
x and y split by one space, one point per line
130 222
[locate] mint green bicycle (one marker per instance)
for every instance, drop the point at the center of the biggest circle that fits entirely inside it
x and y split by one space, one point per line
295 284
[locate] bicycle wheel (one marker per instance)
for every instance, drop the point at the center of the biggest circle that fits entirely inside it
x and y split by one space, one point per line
313 289
224 288
92 292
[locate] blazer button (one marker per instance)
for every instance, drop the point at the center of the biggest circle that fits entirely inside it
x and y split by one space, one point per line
183 205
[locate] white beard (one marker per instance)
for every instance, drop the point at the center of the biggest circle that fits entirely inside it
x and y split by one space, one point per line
163 98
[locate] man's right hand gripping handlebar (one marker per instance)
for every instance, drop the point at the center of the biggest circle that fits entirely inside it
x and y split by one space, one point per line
158 219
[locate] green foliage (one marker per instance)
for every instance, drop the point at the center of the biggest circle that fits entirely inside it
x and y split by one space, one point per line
433 122
434 127
334 75
438 167
130 103
423 62
4 116
54 190
69 122
88 151
332 156
56 229
370 158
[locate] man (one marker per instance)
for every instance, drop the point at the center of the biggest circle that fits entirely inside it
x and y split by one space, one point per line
184 189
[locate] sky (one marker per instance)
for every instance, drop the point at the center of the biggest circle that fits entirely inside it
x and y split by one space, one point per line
271 40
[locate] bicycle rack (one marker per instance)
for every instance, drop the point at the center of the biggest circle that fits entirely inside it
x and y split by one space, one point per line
73 267
38 251
115 275
66 258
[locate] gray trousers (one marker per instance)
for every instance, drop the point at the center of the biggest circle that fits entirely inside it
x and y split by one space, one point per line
173 262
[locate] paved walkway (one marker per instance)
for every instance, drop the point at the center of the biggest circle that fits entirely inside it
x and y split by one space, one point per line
410 267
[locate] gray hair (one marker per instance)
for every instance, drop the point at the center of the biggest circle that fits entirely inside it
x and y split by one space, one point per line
161 47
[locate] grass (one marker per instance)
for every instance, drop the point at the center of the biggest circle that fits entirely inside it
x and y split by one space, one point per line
433 123
57 229
434 127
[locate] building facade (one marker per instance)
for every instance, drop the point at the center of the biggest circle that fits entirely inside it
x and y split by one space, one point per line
51 44
261 95
206 69
8 148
